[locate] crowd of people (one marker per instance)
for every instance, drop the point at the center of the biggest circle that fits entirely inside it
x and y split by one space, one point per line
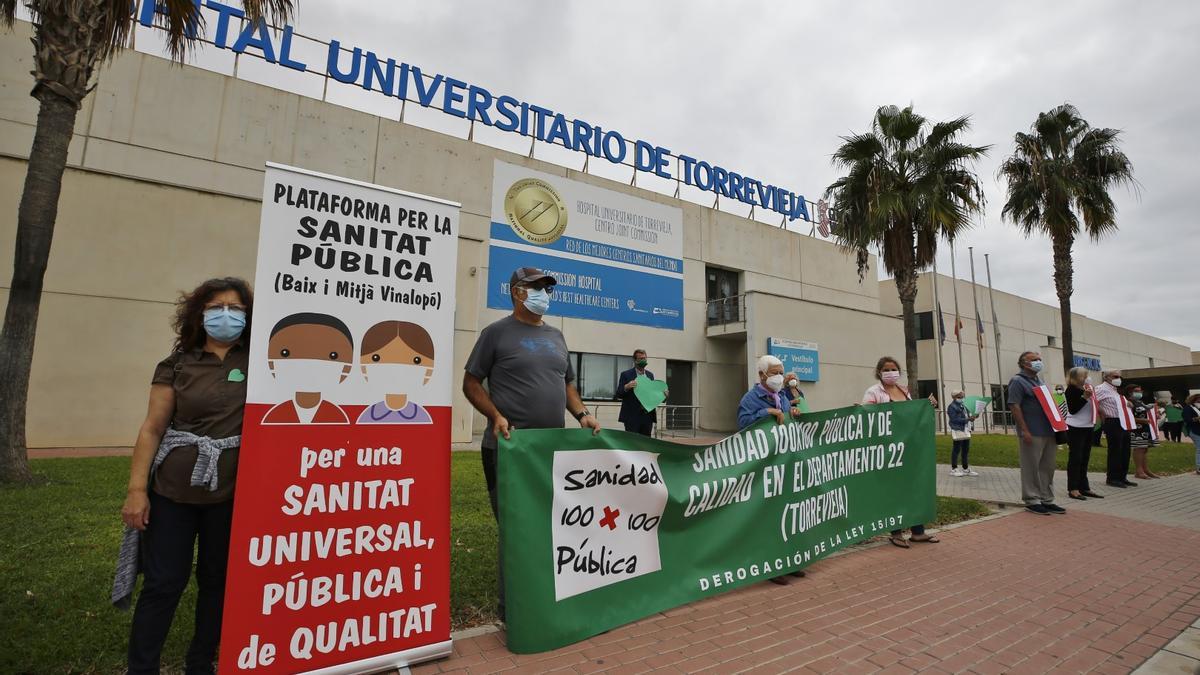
519 375
1130 423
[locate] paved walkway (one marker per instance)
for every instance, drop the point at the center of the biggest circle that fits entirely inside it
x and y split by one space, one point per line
1174 500
1018 593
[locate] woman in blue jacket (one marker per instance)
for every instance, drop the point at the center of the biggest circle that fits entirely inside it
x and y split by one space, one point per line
959 419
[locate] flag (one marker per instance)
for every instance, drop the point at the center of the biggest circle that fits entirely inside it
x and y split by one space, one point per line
979 326
941 327
958 324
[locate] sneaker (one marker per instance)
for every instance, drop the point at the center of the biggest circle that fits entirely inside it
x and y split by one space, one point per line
1039 509
956 472
970 472
1054 508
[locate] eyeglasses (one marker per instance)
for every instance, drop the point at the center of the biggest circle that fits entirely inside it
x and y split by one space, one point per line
539 286
226 306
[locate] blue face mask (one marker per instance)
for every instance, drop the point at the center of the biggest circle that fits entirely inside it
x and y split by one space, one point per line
224 324
1036 366
537 300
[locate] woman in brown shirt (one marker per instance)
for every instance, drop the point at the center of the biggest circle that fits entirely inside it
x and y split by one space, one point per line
197 397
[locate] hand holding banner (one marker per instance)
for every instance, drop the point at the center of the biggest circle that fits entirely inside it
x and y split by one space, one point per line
601 530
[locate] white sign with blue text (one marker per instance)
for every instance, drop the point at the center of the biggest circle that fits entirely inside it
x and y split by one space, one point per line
615 257
798 357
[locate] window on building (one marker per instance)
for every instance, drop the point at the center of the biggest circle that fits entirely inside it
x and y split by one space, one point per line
1051 341
1151 360
723 295
999 412
927 388
923 325
596 374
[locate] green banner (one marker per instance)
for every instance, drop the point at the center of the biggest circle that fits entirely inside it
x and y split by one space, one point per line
598 531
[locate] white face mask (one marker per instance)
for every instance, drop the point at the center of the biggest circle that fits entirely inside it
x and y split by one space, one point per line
308 375
1116 382
394 378
775 382
793 383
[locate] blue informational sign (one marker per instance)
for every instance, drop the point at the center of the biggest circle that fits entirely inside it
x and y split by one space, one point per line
799 357
615 257
1089 362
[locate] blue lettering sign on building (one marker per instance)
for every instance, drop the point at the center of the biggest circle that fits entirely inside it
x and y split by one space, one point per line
799 357
386 76
1089 362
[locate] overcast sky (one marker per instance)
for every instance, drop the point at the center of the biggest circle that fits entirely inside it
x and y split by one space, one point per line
766 89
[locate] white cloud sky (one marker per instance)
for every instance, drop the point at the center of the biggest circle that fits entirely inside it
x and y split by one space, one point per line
766 89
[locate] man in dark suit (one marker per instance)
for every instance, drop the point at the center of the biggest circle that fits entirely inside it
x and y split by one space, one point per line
633 415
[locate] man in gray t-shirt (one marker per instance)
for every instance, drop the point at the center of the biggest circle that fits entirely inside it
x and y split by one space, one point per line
528 372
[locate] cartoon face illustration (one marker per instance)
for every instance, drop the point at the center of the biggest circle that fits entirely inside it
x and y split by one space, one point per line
310 354
397 360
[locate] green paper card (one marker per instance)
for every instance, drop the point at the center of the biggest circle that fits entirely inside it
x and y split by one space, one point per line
802 404
651 393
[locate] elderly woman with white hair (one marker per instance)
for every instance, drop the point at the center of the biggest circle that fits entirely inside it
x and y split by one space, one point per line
767 398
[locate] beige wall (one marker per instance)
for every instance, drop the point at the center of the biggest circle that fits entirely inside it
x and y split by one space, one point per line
163 189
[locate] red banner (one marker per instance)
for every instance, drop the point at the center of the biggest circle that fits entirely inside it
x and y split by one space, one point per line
339 560
1050 407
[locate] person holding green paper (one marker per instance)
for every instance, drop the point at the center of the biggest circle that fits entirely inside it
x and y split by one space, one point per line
1173 427
792 390
633 413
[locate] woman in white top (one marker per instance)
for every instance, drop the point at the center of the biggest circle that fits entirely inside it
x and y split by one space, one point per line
1081 419
886 390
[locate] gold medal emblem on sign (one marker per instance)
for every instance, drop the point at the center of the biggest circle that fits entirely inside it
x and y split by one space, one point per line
535 211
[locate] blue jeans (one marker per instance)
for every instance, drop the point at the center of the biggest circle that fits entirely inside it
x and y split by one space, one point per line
1196 439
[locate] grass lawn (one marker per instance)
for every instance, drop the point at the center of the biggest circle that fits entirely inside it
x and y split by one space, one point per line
1000 450
58 543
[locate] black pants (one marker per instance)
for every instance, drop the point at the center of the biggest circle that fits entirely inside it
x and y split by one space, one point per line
488 455
960 448
916 529
1118 450
166 564
1173 431
1097 436
644 426
1079 453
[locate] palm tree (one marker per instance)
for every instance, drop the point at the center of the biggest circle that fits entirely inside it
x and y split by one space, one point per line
908 184
1058 173
71 37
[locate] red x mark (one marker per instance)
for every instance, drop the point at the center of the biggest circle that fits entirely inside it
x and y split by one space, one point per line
610 518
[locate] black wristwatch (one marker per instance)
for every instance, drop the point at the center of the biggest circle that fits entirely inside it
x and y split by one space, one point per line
581 414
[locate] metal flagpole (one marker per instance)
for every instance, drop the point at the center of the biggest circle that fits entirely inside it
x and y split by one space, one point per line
962 378
996 329
939 329
983 383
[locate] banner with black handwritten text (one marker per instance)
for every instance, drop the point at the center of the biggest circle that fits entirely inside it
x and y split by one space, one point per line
598 531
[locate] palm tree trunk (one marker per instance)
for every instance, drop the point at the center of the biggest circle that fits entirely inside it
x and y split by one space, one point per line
35 229
1064 273
906 288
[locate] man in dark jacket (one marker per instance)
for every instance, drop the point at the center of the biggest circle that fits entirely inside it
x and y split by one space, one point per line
635 418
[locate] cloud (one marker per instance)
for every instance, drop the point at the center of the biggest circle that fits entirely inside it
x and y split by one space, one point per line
766 89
